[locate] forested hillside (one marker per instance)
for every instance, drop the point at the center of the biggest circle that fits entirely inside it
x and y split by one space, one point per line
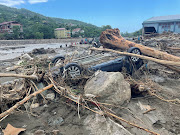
37 26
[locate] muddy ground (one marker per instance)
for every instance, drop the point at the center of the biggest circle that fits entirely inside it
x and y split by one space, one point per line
60 114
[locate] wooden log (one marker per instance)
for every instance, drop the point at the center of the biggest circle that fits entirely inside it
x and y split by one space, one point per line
174 48
152 109
173 68
33 77
111 38
163 62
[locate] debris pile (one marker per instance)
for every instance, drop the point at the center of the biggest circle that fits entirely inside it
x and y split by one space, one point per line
164 35
42 51
12 91
101 103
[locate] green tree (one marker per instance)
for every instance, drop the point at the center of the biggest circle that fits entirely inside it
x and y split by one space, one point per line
137 33
38 35
8 36
104 27
16 32
48 31
76 35
2 36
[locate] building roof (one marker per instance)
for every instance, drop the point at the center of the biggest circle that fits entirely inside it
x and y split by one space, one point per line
168 18
7 22
76 30
60 29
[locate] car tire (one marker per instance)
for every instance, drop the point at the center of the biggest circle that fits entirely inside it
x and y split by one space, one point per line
72 70
58 60
134 50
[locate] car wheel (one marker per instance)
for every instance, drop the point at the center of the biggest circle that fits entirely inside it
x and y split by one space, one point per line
134 50
58 60
72 70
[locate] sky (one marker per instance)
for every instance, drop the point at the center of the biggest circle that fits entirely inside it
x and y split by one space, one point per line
127 15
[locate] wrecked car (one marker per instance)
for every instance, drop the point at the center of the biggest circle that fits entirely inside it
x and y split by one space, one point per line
74 69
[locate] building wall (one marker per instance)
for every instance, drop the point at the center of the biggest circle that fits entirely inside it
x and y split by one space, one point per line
62 33
155 25
9 27
164 27
59 34
177 27
68 33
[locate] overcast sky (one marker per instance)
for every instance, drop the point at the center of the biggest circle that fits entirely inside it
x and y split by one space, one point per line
127 15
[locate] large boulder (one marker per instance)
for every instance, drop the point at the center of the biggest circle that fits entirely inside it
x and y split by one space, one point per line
109 87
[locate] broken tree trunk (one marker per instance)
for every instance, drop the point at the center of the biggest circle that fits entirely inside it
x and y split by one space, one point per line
163 62
33 77
111 38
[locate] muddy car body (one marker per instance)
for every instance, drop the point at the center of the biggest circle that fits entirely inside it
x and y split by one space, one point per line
130 64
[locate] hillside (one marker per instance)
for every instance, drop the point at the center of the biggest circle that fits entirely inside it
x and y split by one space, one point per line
39 26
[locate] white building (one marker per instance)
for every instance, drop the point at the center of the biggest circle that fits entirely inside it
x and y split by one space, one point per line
162 24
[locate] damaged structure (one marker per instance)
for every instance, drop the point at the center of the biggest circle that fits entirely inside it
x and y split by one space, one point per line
162 24
8 27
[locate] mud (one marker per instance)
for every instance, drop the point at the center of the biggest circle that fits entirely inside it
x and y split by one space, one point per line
12 52
57 115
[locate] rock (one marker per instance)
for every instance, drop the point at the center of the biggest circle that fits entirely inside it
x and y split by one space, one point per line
35 105
109 87
99 125
39 51
26 57
55 132
55 121
42 51
50 96
46 106
39 132
157 79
